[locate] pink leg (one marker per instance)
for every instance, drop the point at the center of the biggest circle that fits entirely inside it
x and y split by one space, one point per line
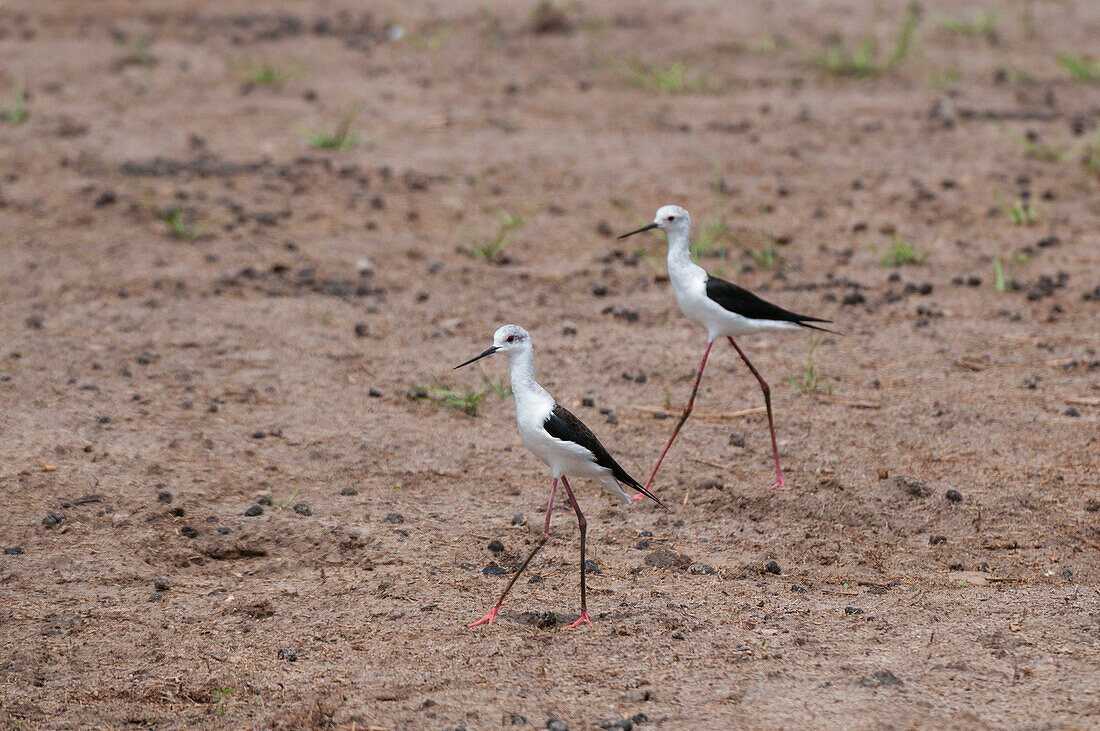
683 418
488 618
584 526
767 402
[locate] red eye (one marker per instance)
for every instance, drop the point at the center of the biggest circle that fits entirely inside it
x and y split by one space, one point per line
672 218
510 338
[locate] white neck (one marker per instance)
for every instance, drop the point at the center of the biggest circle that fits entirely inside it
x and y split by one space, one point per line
679 253
528 394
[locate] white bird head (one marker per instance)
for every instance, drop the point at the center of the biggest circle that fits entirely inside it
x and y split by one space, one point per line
669 219
507 339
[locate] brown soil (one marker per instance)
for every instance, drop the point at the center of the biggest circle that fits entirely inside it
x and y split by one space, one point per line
174 382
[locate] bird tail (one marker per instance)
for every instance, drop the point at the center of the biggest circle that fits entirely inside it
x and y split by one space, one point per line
805 322
641 488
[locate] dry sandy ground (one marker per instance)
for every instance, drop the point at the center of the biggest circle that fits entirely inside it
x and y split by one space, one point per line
174 382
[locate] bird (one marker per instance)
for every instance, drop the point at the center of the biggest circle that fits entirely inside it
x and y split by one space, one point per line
561 441
723 309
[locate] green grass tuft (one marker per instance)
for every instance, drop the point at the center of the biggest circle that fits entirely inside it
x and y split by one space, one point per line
219 698
810 380
1081 68
340 138
433 42
900 253
487 247
1019 212
863 61
16 110
261 71
467 401
176 221
984 26
673 79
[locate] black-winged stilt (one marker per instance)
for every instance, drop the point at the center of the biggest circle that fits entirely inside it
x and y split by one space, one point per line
721 307
560 440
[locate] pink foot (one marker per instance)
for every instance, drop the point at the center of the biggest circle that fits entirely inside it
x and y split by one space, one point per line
637 497
583 619
487 619
781 483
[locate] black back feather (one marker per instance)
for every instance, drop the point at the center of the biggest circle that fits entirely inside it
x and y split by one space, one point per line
561 424
743 302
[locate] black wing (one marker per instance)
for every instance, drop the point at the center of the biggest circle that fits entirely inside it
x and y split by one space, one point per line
561 424
743 302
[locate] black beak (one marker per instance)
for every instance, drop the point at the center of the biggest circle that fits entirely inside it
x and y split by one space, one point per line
490 351
643 228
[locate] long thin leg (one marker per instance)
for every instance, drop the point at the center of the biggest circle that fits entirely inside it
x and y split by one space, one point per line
683 418
767 402
583 525
488 618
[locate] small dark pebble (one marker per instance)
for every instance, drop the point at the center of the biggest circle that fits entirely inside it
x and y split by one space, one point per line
189 532
556 724
155 597
1072 412
164 496
879 679
797 589
1031 382
642 545
853 610
536 579
639 718
701 569
395 518
546 620
588 401
288 654
937 540
518 720
772 567
853 298
53 519
660 415
176 511
493 570
518 519
104 420
600 290
265 500
275 432
1067 574
349 491
591 567
105 198
303 509
737 440
618 724
14 551
254 511
374 393
496 546
954 496
362 329
161 583
956 567
401 532
223 530
259 434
